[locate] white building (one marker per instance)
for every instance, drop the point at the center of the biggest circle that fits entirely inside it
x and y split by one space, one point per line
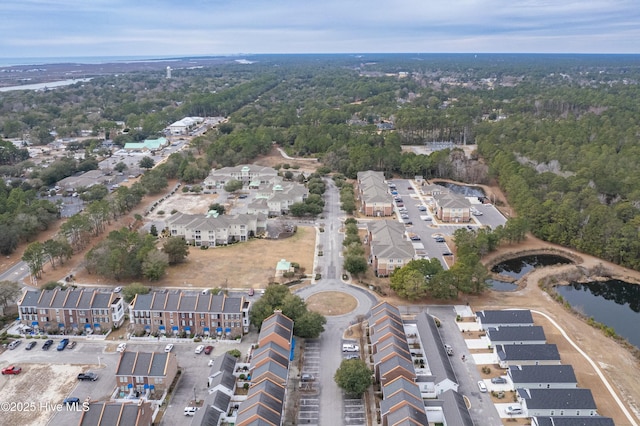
182 127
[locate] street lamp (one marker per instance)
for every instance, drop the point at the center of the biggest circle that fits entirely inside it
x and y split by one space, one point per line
99 362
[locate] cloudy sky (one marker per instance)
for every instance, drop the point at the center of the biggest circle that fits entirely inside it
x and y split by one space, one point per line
72 28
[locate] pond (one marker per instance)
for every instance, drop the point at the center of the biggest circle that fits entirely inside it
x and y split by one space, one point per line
467 191
498 285
613 303
516 268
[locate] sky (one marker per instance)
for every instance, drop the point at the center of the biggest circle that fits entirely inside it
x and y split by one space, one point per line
161 28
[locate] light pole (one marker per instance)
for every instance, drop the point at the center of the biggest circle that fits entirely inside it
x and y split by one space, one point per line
99 362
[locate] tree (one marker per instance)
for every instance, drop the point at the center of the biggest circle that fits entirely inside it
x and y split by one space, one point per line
9 291
153 230
120 167
147 163
130 291
9 240
153 181
217 207
353 376
176 249
310 325
355 265
35 257
154 265
233 186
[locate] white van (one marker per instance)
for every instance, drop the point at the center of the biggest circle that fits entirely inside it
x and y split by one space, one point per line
190 411
349 347
14 344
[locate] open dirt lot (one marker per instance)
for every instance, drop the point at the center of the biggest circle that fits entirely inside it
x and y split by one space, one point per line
37 385
331 303
242 265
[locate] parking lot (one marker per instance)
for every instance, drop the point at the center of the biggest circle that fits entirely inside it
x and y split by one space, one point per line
309 401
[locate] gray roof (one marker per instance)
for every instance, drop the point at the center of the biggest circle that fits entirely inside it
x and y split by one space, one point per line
546 352
390 340
574 421
178 301
384 309
224 378
451 200
401 384
208 416
263 370
558 399
262 406
270 388
455 409
59 298
151 364
516 334
397 362
439 361
224 362
391 350
272 355
278 318
407 416
271 346
542 374
388 324
113 414
522 317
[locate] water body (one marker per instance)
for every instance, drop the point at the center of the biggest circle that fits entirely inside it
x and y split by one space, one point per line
518 267
44 86
467 191
498 285
613 303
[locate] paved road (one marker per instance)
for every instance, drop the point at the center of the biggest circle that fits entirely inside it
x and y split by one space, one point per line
330 266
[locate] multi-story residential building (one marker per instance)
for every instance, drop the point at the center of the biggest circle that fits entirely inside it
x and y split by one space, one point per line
276 199
177 312
250 175
144 372
388 248
373 193
452 207
207 230
71 310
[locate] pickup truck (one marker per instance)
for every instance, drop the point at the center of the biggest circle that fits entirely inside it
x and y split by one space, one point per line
425 217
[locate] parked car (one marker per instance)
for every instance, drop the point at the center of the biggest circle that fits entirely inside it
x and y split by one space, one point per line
71 345
482 386
250 292
499 380
349 347
440 240
513 409
30 345
208 349
71 400
415 238
63 344
88 376
199 349
307 378
117 289
168 348
190 411
14 344
352 356
12 369
122 347
47 345
422 208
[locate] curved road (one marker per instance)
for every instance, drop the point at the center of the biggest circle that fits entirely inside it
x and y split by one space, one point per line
330 266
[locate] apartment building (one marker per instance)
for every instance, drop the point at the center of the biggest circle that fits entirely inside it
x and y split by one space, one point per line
71 310
177 312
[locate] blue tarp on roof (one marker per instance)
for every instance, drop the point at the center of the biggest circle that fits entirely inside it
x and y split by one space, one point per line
293 347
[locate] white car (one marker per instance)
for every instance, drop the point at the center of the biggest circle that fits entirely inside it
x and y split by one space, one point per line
169 347
482 386
117 289
190 411
513 409
122 347
348 347
199 349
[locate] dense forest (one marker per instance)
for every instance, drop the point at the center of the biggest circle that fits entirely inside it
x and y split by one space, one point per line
559 133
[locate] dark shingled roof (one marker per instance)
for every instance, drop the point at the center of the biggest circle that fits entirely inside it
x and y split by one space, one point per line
558 399
396 363
407 416
542 374
575 421
152 364
439 361
113 414
224 378
547 352
506 317
455 409
262 406
516 334
224 362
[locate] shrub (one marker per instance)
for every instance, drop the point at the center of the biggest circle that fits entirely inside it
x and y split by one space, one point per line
160 212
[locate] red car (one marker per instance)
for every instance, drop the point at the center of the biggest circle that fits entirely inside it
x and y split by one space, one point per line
11 370
208 350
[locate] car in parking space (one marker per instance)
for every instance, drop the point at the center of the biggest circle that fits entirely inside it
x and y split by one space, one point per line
122 347
352 356
63 344
307 378
482 386
513 409
208 349
404 216
498 380
199 349
251 292
30 345
88 376
169 347
447 253
440 239
408 222
14 344
12 369
350 347
47 345
117 289
71 345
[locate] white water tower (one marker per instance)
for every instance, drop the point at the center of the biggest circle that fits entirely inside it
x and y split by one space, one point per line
168 72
